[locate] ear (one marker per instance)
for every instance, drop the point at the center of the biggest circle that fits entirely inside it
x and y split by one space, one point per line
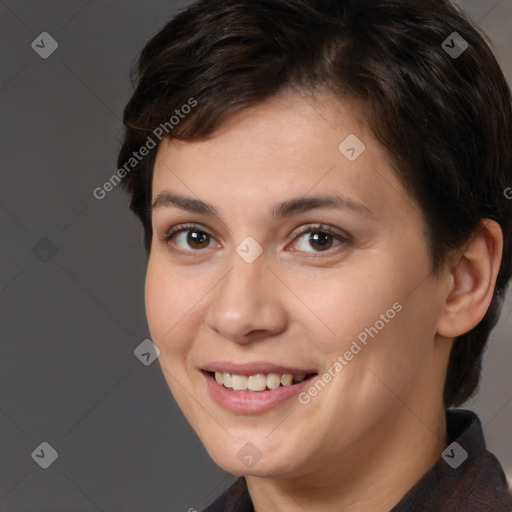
472 280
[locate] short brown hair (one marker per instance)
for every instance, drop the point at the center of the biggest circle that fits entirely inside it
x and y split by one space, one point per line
445 119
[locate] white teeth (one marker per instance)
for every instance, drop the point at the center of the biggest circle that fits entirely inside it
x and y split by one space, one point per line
286 379
239 382
257 382
273 380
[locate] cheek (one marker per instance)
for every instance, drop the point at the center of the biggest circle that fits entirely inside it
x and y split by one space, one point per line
172 321
350 304
169 301
381 306
156 298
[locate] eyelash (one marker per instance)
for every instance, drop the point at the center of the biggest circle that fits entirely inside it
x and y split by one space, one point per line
317 228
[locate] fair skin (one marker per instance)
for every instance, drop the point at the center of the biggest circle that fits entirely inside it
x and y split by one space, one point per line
371 432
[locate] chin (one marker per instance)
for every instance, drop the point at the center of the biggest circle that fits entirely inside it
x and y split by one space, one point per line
249 461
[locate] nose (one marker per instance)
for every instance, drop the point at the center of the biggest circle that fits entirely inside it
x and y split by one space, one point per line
247 304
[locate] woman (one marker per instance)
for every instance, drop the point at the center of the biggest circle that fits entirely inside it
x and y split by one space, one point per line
322 190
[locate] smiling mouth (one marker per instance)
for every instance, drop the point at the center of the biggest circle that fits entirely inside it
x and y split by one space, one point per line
258 382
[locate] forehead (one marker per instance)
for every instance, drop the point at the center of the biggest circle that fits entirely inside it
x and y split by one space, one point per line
288 133
292 145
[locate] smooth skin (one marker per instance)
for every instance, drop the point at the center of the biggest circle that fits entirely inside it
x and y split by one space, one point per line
369 435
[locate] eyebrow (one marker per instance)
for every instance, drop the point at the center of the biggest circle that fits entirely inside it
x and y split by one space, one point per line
280 211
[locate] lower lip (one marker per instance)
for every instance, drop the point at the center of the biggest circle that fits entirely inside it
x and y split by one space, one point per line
251 402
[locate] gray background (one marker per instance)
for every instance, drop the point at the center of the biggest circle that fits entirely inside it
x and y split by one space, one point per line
68 375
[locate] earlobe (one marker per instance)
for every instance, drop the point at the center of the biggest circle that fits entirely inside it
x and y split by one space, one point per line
473 278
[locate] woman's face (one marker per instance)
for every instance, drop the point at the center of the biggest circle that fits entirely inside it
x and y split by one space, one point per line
258 289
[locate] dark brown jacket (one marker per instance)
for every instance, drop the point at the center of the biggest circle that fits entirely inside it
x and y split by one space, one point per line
475 484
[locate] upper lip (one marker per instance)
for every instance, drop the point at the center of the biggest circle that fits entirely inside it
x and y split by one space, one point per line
253 368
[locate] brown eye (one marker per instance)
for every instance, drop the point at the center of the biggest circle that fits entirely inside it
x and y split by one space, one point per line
320 239
323 241
197 239
188 238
